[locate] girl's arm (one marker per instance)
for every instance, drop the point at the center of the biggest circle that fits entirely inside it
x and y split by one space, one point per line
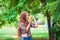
27 28
36 25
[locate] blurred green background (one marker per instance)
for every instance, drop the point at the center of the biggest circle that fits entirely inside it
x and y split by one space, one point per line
46 12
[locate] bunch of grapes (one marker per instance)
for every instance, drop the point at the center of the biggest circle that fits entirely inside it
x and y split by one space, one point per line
30 18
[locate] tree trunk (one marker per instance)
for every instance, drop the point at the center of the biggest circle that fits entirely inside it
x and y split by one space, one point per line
51 34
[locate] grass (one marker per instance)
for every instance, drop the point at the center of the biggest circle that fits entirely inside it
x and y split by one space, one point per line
11 33
34 38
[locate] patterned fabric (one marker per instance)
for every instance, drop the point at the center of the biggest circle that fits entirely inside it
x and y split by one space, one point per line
23 28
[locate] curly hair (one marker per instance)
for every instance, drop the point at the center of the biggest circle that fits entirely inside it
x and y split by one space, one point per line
22 19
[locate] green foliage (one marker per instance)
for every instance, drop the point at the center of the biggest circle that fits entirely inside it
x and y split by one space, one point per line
10 9
56 17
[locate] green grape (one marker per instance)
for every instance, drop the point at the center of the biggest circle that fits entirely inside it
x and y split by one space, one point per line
30 18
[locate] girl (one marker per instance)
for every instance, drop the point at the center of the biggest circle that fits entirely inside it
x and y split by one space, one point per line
24 26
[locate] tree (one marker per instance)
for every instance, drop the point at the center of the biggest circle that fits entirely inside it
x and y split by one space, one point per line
12 8
56 18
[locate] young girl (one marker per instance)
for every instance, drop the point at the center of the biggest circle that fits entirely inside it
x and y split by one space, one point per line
24 26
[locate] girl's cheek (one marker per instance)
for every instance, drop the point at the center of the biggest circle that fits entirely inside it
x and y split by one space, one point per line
27 17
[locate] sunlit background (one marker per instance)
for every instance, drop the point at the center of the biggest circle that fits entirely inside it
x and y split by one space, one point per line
46 12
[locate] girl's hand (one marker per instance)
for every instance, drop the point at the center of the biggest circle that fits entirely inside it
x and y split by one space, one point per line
36 25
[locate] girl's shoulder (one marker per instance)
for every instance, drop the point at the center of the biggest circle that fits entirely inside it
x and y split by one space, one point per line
21 23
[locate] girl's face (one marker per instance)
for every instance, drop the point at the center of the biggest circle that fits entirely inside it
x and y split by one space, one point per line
27 16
